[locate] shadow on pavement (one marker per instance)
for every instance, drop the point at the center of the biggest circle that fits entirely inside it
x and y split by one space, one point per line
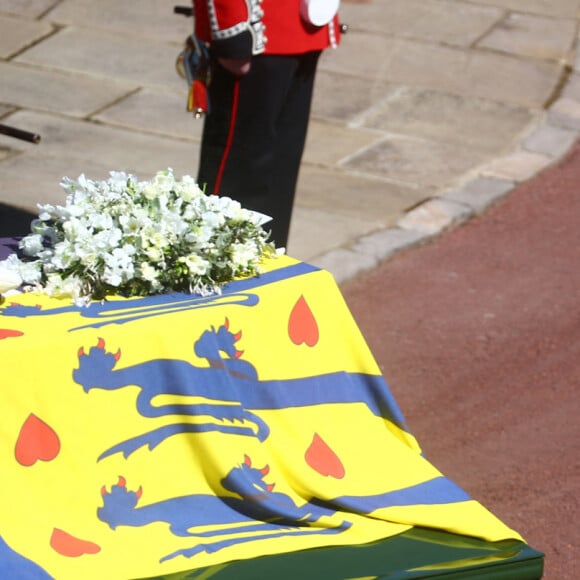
14 221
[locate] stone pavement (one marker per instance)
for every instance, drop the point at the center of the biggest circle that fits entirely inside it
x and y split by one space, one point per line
428 112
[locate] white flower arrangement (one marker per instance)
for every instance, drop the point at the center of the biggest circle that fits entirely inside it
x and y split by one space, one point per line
9 279
135 238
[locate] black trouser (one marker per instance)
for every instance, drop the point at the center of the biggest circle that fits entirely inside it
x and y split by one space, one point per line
254 135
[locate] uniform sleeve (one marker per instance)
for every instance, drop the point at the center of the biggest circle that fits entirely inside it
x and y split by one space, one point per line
235 27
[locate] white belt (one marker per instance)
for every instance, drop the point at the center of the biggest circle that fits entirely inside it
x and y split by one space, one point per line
318 12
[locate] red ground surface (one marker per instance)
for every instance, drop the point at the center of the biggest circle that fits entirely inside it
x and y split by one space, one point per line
478 336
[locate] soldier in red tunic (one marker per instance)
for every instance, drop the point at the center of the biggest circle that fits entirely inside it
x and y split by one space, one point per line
263 56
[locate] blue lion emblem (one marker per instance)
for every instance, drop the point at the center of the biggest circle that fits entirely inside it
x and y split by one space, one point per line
260 512
230 387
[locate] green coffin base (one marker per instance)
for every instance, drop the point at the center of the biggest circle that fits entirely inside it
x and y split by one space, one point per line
417 553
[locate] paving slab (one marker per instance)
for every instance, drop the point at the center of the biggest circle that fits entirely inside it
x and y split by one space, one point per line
441 21
16 34
386 243
550 140
417 161
5 109
534 36
35 177
81 143
328 143
107 55
435 216
316 232
518 166
471 73
147 19
565 112
555 8
76 95
480 193
576 60
374 201
479 124
571 89
347 263
29 8
154 110
4 152
352 96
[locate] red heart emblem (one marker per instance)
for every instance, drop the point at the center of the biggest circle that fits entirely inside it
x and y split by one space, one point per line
7 333
36 441
68 545
323 459
302 326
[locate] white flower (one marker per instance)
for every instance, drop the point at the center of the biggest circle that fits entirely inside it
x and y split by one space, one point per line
126 236
119 178
31 245
148 272
164 180
199 236
195 264
244 253
150 192
119 265
106 240
30 272
10 278
213 220
229 207
102 221
62 254
72 286
188 189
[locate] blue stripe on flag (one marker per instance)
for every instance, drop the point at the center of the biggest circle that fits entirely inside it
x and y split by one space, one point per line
436 491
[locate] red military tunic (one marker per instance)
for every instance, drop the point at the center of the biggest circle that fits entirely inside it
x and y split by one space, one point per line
255 129
241 28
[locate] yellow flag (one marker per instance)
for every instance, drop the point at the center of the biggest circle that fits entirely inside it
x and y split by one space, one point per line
149 436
